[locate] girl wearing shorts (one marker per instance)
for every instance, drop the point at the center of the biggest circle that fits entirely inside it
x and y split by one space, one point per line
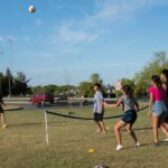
164 118
158 102
130 107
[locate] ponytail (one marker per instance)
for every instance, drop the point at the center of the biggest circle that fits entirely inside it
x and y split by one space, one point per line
157 81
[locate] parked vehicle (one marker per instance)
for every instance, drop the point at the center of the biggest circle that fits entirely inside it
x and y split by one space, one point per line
62 98
41 99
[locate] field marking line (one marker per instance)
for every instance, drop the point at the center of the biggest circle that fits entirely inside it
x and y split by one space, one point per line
46 127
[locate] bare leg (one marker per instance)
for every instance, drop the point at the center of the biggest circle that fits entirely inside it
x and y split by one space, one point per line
155 123
131 132
164 129
166 126
2 119
102 126
117 128
99 128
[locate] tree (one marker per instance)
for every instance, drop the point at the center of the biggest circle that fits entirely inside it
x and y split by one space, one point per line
86 89
126 81
20 83
143 78
13 84
95 78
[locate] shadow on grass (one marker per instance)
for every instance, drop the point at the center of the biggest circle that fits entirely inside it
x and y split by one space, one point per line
36 123
161 144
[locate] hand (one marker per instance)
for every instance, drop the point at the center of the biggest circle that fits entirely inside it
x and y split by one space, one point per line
149 114
105 104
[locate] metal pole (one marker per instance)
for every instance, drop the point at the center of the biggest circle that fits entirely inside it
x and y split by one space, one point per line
9 86
11 40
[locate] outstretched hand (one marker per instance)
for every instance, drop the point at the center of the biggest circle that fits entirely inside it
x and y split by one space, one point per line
149 114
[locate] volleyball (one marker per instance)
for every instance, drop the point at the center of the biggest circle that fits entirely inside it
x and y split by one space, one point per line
32 9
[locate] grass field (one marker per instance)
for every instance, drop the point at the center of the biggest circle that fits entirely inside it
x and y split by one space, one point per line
23 143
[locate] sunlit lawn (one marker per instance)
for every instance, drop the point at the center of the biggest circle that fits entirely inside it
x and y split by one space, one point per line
23 143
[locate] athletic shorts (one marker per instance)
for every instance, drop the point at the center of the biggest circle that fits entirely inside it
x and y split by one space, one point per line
1 110
98 117
129 116
159 108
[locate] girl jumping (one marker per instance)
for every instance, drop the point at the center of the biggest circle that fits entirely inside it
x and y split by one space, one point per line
130 107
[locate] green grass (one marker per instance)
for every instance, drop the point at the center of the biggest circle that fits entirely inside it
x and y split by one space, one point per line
23 143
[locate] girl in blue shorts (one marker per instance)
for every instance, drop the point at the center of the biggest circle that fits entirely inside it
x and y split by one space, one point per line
130 107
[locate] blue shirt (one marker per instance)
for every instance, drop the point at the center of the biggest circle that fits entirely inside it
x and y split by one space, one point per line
98 102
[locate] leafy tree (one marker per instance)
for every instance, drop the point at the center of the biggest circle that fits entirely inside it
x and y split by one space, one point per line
126 81
86 89
18 84
154 67
95 78
38 89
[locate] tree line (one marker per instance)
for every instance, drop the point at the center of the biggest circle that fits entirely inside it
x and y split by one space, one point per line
140 82
14 84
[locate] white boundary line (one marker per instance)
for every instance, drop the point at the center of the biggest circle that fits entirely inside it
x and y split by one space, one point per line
46 127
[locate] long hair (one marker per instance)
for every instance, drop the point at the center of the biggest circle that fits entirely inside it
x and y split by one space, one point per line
156 80
1 97
165 73
128 91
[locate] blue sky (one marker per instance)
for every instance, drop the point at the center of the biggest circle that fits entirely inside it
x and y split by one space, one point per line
67 40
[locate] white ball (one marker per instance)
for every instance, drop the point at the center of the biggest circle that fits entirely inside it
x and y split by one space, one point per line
32 9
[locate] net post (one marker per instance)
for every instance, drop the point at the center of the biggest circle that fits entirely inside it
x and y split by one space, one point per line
46 127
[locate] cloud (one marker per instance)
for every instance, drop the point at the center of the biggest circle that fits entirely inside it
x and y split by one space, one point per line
91 28
68 34
109 10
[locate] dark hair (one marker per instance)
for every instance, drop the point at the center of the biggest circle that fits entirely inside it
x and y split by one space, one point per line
98 85
128 90
165 72
1 97
156 80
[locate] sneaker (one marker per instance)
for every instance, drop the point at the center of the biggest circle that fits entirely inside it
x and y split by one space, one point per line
138 144
165 140
4 126
119 147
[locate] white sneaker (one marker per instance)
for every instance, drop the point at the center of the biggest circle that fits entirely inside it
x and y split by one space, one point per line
119 147
165 140
138 144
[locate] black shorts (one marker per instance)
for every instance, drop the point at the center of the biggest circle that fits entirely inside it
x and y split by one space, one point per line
165 117
1 110
98 117
129 116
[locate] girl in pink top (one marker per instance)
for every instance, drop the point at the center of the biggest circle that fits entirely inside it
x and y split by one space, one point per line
157 101
164 118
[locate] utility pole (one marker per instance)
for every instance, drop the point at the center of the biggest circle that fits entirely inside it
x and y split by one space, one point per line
11 40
